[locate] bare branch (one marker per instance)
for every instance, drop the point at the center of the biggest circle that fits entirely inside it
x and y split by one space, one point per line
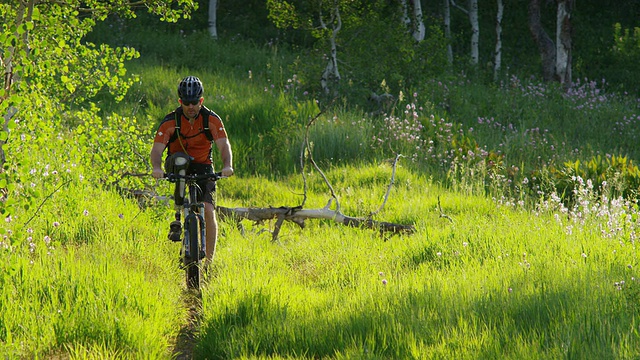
333 193
305 147
391 182
459 7
5 127
443 215
45 200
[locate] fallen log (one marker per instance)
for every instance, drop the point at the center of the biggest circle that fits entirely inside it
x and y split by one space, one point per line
298 215
295 214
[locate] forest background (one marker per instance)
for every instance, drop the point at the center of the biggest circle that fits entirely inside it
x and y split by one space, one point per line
87 70
493 164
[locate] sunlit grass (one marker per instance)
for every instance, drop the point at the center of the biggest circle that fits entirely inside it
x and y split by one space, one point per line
493 283
95 278
487 280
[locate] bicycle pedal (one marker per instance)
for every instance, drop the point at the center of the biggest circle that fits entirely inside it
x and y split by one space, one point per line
175 231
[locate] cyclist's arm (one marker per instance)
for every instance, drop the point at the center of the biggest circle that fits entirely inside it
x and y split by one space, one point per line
156 159
227 156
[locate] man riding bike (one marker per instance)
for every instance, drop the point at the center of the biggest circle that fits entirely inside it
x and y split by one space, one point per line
188 132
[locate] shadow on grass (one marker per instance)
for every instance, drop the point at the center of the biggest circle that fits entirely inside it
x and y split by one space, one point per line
563 321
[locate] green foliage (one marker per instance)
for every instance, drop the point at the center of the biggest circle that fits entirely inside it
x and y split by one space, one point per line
626 43
283 14
78 144
110 147
25 177
365 61
617 174
49 68
51 56
625 56
399 61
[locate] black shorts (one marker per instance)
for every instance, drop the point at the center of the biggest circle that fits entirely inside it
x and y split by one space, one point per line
206 187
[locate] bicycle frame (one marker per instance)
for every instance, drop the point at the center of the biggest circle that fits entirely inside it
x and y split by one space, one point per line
194 241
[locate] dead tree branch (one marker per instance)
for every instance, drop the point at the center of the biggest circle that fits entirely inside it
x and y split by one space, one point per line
305 148
35 213
391 182
298 215
443 215
459 7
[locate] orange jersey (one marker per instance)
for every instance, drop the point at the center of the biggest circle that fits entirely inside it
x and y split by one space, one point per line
192 139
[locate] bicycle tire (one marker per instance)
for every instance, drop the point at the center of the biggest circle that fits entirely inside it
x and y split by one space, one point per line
192 263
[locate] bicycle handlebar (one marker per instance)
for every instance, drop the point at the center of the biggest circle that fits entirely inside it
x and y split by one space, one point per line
195 177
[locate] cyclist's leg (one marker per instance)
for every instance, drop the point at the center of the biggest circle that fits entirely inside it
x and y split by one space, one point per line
209 199
212 230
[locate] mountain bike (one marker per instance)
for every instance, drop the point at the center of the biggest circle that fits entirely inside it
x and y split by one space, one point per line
194 239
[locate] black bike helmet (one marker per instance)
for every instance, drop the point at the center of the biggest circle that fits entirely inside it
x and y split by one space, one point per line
190 89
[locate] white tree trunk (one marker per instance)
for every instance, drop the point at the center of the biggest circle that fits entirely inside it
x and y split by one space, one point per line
497 63
447 30
331 75
213 18
406 20
472 13
7 60
415 22
419 30
475 31
563 43
10 52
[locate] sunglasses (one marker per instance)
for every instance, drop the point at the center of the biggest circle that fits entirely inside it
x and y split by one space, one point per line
190 102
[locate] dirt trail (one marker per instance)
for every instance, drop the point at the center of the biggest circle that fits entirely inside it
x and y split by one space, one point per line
185 341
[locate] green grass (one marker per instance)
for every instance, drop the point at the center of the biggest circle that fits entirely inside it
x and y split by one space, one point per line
496 282
88 276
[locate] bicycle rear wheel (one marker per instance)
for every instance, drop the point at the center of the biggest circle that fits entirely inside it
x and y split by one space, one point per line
192 263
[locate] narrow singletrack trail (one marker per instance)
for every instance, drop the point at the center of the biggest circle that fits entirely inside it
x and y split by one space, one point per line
185 341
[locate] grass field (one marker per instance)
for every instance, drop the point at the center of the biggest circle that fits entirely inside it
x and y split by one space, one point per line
495 281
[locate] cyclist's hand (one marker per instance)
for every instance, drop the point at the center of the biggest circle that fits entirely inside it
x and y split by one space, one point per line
157 173
227 171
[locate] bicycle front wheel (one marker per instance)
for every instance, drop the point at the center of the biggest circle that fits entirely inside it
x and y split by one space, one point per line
192 262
